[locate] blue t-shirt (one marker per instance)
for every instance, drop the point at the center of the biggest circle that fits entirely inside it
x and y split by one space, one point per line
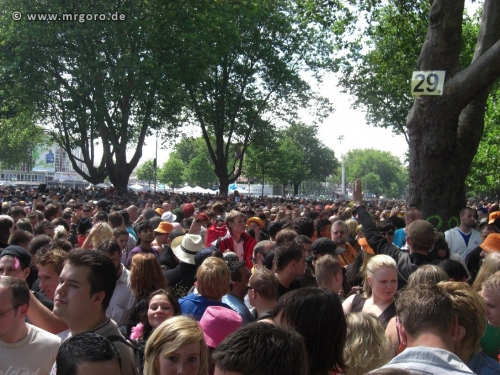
195 305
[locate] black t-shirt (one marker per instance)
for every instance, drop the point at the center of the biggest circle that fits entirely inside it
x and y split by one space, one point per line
295 284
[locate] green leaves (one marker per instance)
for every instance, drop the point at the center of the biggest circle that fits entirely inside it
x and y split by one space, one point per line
146 171
381 172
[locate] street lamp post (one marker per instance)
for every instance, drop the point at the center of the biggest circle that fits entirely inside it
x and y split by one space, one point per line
341 138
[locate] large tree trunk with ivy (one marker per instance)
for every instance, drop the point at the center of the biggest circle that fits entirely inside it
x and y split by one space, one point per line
445 131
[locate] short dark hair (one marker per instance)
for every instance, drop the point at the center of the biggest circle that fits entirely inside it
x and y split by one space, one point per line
51 210
102 272
145 224
304 226
84 347
287 253
268 259
318 316
385 226
110 247
41 226
120 231
421 307
115 219
262 349
126 217
17 211
101 216
303 239
234 268
454 269
321 224
38 242
20 237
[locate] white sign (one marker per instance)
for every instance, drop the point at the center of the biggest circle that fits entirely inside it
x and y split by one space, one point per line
427 82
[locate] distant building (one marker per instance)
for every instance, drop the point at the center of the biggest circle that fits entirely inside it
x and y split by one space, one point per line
51 165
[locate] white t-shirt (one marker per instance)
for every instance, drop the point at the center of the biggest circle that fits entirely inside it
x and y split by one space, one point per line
34 354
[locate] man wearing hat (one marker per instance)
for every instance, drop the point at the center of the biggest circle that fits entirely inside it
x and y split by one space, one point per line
494 219
161 239
256 224
15 261
168 217
464 238
420 239
181 278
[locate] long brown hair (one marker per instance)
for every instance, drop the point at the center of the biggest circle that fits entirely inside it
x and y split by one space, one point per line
146 275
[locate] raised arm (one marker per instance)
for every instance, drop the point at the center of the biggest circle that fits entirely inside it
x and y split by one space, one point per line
42 317
378 243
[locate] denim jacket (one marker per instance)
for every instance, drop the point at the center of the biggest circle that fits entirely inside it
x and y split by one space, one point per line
427 360
481 364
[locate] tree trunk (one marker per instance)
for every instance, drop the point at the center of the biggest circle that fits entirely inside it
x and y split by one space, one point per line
119 173
296 188
445 131
223 184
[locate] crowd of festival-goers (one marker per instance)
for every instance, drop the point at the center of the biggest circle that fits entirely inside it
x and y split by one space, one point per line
99 282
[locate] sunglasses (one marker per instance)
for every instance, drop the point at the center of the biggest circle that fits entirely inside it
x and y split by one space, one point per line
86 210
387 233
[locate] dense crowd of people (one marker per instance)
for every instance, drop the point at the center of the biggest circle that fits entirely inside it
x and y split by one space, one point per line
98 282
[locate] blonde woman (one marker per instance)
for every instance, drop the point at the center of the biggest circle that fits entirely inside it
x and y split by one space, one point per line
380 285
100 233
366 347
176 346
490 265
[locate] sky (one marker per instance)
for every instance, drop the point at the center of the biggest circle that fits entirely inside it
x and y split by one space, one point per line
343 120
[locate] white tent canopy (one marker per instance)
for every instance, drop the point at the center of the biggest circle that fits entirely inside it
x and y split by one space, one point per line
197 189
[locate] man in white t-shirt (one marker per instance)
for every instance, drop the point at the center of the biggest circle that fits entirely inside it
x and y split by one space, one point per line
24 348
464 238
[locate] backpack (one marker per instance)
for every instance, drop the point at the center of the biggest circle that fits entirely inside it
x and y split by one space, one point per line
137 352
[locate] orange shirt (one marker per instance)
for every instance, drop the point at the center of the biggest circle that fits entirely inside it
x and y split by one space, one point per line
348 256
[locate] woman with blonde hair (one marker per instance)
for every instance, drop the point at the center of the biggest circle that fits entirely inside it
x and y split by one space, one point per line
176 346
490 265
366 347
146 276
100 233
380 285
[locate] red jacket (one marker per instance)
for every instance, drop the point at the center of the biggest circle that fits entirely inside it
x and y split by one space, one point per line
227 244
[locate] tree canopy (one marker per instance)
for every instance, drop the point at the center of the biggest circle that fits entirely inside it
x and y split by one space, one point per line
381 172
294 156
252 75
93 83
443 131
